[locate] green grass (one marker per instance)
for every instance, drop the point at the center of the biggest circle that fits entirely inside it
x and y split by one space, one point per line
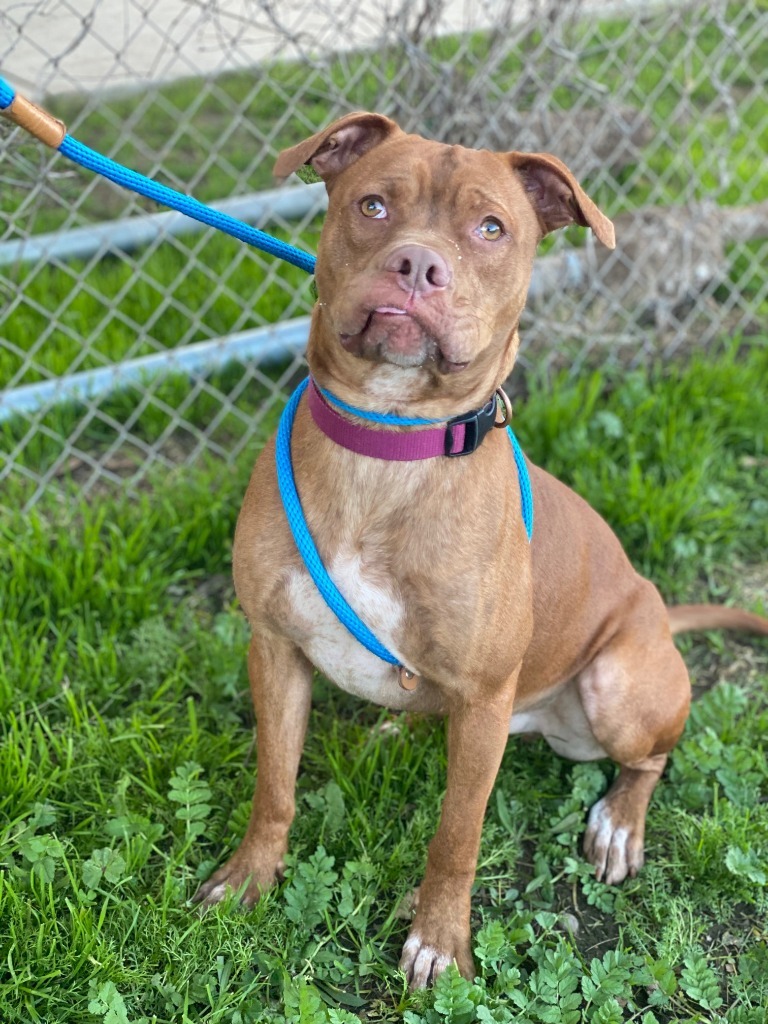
126 761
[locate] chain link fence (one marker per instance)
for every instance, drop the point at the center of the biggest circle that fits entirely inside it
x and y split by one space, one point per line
131 340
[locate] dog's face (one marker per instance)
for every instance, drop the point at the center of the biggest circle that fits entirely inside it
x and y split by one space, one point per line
426 254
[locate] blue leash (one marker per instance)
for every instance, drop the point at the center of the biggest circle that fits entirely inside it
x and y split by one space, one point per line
377 417
127 178
297 522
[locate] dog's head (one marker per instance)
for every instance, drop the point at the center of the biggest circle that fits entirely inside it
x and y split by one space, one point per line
425 258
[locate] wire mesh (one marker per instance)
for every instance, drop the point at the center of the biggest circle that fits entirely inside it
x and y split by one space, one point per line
660 110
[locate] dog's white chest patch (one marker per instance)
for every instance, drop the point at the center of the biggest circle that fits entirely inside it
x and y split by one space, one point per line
332 648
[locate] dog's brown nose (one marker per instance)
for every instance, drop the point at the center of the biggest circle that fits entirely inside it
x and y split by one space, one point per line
419 270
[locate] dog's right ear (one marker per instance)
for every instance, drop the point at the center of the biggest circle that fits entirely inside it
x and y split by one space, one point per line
337 146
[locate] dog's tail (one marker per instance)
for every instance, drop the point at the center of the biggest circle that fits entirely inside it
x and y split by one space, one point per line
683 617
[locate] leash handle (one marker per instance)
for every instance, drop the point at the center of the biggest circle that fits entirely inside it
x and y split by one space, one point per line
33 119
53 133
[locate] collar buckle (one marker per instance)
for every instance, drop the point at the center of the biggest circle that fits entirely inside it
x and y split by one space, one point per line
476 425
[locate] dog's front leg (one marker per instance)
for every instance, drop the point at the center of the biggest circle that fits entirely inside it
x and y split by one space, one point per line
281 688
440 933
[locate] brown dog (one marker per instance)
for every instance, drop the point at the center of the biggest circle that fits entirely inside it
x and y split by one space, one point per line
422 272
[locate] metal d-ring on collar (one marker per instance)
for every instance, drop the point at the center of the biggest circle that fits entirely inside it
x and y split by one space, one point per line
502 399
305 544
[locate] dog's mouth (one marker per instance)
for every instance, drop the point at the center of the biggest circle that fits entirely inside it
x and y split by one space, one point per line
393 335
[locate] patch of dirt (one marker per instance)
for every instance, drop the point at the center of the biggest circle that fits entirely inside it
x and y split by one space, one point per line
752 587
739 658
590 930
214 592
739 661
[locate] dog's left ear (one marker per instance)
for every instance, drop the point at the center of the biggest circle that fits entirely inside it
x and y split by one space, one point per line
557 197
336 147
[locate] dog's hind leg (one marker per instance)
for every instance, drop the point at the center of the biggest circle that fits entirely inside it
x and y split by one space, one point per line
281 688
636 696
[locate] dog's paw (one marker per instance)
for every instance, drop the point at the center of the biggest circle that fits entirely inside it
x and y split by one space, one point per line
613 843
243 873
425 957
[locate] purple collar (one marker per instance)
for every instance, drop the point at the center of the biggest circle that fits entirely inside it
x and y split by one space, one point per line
458 436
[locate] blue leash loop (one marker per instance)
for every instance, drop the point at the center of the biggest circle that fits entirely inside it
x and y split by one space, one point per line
376 417
524 479
303 538
188 205
305 544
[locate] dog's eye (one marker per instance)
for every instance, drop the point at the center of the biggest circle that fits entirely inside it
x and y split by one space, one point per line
372 206
490 229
